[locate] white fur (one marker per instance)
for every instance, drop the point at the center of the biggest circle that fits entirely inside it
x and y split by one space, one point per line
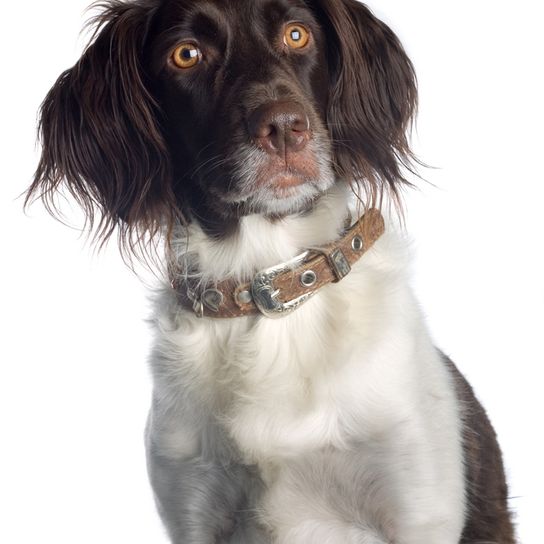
345 405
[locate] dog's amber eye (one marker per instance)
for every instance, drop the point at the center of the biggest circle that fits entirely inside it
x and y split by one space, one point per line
186 55
296 36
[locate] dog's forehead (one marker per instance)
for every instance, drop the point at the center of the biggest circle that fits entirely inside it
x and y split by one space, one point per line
234 13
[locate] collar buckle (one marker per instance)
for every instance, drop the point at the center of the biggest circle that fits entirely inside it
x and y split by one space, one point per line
266 296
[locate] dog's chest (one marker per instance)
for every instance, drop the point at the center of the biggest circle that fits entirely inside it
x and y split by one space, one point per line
286 387
264 362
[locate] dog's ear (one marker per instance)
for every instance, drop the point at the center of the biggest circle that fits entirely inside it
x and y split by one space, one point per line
100 132
372 97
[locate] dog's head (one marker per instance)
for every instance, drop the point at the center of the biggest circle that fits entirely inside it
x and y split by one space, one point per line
214 109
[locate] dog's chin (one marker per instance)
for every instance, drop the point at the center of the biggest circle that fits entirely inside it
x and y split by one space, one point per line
283 194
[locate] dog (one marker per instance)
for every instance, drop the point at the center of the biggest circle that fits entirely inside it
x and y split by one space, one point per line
298 397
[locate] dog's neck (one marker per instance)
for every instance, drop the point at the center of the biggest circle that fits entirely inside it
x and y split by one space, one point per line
259 242
279 290
211 276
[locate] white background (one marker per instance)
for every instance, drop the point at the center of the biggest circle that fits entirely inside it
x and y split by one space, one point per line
74 386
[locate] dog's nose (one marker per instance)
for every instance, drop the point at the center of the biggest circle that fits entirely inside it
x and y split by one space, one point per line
279 127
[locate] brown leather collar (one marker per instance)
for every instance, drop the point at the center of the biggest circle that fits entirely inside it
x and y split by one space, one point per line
279 290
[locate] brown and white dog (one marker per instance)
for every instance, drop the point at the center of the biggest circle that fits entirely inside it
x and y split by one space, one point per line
237 131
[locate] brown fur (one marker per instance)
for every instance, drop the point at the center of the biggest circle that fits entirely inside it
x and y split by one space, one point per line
488 518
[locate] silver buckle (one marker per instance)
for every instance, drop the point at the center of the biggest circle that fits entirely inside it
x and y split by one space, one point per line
265 294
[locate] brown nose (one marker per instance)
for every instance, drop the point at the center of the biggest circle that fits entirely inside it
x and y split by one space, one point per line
279 127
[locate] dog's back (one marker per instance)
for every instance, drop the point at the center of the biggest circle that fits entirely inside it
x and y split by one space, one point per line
488 517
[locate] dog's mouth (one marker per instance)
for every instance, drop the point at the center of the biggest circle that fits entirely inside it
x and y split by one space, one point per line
286 182
284 177
275 189
278 185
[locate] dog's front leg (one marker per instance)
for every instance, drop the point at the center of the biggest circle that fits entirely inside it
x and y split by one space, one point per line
426 483
195 498
203 495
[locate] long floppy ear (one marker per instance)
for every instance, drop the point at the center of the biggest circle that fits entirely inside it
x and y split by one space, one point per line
100 135
372 99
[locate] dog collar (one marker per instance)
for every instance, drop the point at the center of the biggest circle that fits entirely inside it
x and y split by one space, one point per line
278 290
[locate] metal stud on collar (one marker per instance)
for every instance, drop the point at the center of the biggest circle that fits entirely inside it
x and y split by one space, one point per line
198 308
244 297
339 264
357 243
212 299
308 278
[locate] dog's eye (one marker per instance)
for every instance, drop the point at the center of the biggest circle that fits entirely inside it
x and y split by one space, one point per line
296 36
186 55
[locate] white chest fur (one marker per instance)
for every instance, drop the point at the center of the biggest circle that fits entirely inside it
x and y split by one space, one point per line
347 393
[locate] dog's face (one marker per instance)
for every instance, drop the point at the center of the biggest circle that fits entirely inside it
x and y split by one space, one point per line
244 96
244 93
215 109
